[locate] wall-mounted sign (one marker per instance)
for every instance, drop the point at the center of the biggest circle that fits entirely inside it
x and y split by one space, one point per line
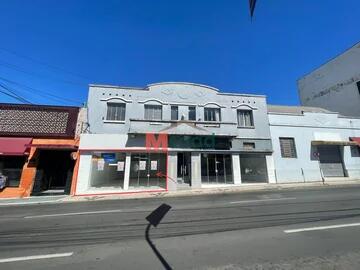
100 164
153 165
142 165
120 166
109 157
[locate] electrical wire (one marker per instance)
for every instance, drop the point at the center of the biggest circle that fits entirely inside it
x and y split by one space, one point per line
13 94
45 64
41 93
17 68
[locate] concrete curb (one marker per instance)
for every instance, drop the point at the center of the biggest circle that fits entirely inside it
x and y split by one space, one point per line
213 190
245 188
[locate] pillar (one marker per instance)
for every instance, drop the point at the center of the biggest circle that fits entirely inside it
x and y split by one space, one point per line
236 169
171 171
127 171
195 170
270 165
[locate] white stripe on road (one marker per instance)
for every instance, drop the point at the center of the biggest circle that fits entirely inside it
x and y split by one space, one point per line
26 203
36 257
322 228
77 213
264 200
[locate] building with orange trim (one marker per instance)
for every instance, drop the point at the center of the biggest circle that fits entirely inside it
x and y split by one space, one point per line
38 149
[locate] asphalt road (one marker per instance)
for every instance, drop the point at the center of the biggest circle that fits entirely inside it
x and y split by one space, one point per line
312 228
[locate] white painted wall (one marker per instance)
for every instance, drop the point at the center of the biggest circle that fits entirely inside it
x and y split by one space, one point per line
333 85
304 129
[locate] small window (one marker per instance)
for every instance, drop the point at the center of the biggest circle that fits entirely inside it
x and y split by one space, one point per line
288 148
153 112
116 111
358 86
192 113
174 112
212 114
249 145
245 118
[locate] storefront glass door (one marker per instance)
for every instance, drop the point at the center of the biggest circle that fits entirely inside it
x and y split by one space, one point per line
184 167
148 170
216 169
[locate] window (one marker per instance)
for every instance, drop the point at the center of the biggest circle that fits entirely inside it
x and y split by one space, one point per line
245 118
358 86
153 112
174 112
212 114
288 149
116 111
192 113
249 145
11 167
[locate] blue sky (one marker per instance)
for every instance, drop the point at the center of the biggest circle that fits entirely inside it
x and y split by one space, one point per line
56 48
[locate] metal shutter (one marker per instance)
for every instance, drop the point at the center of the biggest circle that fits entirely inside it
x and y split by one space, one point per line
330 161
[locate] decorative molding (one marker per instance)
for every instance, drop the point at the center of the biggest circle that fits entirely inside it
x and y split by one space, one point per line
152 99
212 103
244 105
117 98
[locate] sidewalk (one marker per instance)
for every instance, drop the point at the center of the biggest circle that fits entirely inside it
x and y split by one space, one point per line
179 193
215 190
32 200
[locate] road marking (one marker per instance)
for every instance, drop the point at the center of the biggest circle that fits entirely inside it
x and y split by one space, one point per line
25 203
264 200
36 257
77 213
322 228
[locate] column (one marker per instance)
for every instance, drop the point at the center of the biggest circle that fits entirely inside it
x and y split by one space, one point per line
127 171
172 171
83 179
236 169
270 169
195 170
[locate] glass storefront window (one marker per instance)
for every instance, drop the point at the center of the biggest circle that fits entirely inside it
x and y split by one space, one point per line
148 170
107 170
216 169
253 168
11 167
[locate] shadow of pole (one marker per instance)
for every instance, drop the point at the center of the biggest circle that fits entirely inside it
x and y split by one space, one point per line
154 219
153 247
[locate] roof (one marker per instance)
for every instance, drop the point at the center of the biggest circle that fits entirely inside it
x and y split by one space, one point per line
295 109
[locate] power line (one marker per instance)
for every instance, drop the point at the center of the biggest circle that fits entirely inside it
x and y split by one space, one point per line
17 68
13 94
45 64
42 93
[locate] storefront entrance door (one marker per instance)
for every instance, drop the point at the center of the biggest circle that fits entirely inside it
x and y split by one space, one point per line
184 167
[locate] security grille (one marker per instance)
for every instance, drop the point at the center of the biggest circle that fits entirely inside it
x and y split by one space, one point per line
288 148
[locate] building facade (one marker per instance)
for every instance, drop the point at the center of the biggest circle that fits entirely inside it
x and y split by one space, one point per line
170 136
335 85
313 144
38 149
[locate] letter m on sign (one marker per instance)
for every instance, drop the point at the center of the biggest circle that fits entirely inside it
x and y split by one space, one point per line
159 143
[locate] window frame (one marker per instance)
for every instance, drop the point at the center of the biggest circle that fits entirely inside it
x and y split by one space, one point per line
115 118
177 112
207 110
293 152
238 114
147 106
189 111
